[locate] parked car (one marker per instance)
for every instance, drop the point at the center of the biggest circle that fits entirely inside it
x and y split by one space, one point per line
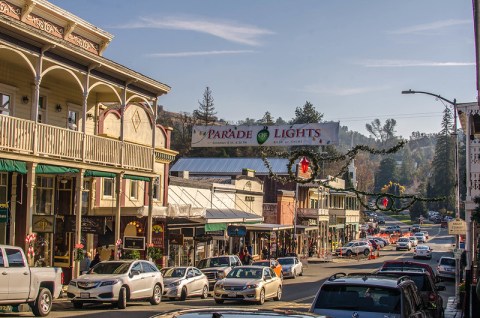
393 229
183 282
291 266
22 284
426 234
446 267
404 243
415 228
413 240
117 282
410 264
248 283
273 264
425 284
368 295
422 251
354 247
421 237
218 267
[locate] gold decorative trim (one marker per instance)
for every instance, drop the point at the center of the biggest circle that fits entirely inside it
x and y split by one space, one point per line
83 43
10 10
44 25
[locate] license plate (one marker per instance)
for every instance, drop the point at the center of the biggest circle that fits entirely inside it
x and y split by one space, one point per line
84 295
232 294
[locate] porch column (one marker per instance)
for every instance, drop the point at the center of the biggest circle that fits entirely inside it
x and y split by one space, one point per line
31 166
78 216
119 192
150 211
154 130
13 209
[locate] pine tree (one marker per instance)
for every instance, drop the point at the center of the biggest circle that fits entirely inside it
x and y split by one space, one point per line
442 180
407 169
306 114
205 114
387 171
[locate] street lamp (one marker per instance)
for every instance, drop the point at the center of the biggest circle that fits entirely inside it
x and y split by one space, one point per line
457 172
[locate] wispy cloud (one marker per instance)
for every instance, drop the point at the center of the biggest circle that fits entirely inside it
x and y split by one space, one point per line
244 34
434 26
411 63
187 54
342 91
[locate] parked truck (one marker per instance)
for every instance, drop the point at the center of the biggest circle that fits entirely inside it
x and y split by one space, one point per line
22 284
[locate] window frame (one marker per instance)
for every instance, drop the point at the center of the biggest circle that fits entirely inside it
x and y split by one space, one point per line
112 192
42 184
133 193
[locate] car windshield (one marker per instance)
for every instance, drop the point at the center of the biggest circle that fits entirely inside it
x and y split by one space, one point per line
243 272
262 263
447 261
418 234
285 261
213 262
422 247
360 298
175 272
412 238
403 239
110 268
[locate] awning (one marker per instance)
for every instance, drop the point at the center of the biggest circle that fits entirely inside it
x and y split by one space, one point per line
306 228
210 227
48 169
132 177
231 216
8 165
96 173
266 227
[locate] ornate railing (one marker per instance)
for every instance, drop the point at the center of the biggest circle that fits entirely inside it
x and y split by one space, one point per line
27 137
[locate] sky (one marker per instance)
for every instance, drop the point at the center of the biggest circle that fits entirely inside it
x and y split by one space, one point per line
351 58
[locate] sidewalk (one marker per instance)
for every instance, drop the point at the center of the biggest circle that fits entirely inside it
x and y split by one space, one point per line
451 310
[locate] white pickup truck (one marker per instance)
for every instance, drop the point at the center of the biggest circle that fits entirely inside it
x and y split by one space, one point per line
20 284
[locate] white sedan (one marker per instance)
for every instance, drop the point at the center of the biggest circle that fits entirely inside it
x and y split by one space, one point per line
183 282
291 266
115 282
422 251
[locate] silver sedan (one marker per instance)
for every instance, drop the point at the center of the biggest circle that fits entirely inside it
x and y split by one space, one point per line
183 282
291 266
248 283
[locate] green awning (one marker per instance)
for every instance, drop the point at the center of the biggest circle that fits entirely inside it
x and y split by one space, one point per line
210 227
132 177
8 165
48 169
95 173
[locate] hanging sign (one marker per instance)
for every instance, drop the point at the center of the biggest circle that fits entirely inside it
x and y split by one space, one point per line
236 231
43 223
133 243
90 224
175 239
315 134
3 213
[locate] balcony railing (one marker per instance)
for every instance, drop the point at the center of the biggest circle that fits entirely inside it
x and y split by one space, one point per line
27 137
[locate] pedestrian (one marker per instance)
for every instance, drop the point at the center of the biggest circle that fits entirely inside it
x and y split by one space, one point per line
247 258
95 261
265 252
241 255
85 263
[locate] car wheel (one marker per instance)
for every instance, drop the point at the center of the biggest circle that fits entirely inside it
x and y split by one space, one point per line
279 294
157 295
205 292
219 301
294 274
261 299
77 304
43 304
122 298
348 253
183 295
301 273
366 252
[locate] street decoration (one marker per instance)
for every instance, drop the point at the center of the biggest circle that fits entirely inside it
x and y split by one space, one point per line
383 201
30 240
79 252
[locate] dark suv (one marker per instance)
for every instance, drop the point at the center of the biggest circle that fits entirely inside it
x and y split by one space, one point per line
426 286
218 267
368 295
409 264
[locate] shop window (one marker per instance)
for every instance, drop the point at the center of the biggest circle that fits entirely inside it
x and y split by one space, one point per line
108 187
5 106
3 187
42 109
156 189
44 190
134 189
72 120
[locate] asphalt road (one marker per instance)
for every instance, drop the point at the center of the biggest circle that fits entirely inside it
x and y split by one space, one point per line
298 293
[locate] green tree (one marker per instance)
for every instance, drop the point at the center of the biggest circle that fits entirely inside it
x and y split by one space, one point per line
442 180
205 114
387 171
407 168
419 208
382 132
306 114
267 119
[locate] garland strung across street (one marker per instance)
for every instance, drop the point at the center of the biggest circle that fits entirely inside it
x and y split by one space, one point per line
312 159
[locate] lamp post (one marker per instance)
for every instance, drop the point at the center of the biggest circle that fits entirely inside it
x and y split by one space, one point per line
457 172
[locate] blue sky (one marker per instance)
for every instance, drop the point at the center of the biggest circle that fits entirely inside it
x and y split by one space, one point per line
350 58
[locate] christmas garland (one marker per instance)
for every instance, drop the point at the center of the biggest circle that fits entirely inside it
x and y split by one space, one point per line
316 158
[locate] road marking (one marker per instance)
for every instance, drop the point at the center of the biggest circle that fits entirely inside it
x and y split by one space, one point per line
303 299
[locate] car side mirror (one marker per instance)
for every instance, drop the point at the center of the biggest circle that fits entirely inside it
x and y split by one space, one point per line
134 272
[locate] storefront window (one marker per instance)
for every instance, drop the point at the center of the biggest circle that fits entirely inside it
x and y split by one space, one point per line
108 187
44 195
133 189
3 188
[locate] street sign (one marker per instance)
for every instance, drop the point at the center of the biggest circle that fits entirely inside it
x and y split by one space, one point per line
457 227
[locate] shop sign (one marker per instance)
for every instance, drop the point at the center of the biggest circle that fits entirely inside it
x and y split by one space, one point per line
157 235
216 233
133 243
43 223
236 231
203 238
175 239
90 224
3 213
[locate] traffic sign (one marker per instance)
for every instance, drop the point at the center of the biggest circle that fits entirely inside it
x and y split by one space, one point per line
457 227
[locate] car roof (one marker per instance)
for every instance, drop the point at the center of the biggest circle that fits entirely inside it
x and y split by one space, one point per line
363 279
